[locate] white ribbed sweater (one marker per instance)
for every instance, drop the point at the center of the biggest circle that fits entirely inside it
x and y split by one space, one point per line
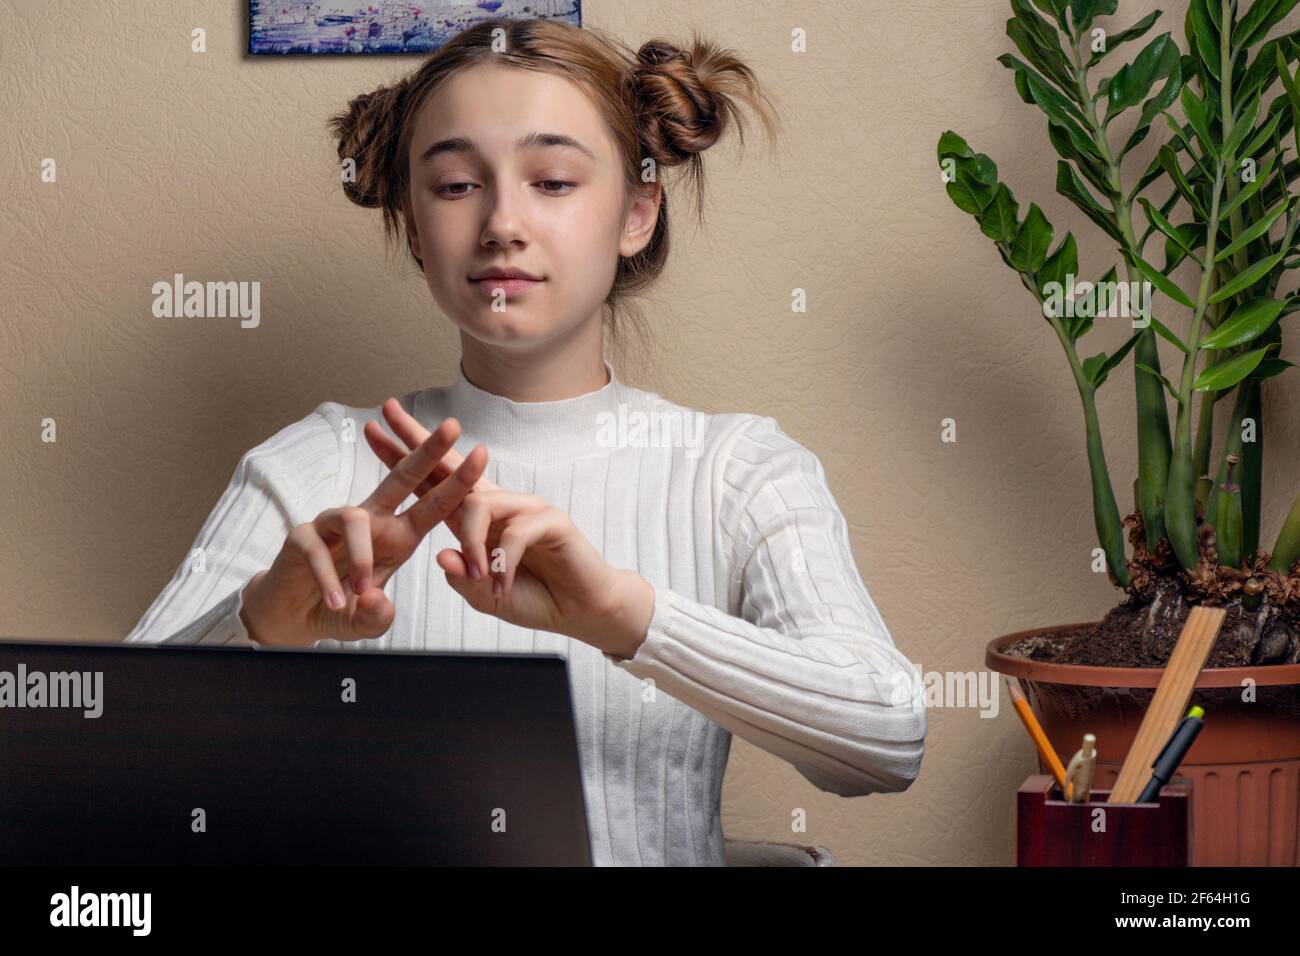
762 626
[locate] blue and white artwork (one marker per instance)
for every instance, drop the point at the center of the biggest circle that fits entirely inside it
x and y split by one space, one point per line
384 26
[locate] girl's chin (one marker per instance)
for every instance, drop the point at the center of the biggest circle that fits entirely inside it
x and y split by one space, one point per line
510 326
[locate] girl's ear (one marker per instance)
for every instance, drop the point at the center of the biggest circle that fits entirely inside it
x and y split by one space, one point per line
642 215
413 240
412 233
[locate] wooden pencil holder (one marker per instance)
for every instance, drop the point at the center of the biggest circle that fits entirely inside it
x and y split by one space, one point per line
1050 831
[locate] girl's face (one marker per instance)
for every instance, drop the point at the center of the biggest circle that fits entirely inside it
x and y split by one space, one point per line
515 169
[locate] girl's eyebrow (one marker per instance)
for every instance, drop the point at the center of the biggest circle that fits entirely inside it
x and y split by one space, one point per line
534 140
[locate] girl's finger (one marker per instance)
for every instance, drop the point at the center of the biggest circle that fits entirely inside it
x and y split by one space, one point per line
475 517
414 467
521 533
352 526
447 496
405 426
453 563
306 540
410 431
500 506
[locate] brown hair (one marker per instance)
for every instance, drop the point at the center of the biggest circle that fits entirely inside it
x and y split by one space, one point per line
661 103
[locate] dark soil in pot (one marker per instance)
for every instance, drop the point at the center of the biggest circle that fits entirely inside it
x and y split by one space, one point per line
1261 626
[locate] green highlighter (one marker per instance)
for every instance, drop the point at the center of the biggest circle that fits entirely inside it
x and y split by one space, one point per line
1172 755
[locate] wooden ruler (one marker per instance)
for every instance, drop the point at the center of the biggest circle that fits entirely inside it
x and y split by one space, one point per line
1169 706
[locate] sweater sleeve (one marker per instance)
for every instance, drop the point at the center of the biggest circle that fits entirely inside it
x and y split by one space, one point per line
809 671
283 482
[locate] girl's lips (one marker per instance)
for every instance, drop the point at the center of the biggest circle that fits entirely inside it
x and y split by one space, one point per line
511 287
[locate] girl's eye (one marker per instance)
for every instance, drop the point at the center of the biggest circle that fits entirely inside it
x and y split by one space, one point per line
549 187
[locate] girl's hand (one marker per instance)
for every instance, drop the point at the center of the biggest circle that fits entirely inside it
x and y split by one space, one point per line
525 562
300 598
390 452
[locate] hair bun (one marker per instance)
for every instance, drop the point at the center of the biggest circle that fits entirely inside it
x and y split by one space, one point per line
681 110
367 134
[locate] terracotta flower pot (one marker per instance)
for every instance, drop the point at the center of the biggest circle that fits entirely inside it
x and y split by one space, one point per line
1244 766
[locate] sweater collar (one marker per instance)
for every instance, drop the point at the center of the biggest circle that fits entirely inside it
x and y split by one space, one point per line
527 431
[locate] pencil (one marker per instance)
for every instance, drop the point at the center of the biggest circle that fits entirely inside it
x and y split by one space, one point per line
1045 748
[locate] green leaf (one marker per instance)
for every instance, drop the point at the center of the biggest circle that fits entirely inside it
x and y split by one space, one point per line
1159 59
1272 366
1266 131
1069 186
1247 322
1157 104
950 144
1060 111
1288 81
1165 226
1163 331
1029 248
1207 35
1082 12
1100 305
1096 368
976 178
1093 169
998 220
1054 8
1168 385
1184 142
1194 110
1257 229
1163 282
1241 127
1262 17
1193 237
1169 161
1252 187
968 195
1039 44
1263 71
1248 277
1057 267
1230 371
1132 33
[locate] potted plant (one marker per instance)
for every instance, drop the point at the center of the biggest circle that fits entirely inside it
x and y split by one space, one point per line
1217 196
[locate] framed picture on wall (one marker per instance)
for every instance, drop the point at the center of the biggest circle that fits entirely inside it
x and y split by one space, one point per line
289 27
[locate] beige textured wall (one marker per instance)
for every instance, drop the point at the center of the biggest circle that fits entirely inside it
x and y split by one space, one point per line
218 166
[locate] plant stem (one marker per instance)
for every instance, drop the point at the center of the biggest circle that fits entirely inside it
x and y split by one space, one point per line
1154 445
1252 470
1105 512
1287 548
1232 443
1180 499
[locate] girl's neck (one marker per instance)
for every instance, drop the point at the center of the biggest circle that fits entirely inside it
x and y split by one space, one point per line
554 372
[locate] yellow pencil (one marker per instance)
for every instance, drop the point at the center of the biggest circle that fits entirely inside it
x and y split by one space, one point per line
1044 745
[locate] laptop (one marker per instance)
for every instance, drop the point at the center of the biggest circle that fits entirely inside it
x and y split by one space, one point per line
121 754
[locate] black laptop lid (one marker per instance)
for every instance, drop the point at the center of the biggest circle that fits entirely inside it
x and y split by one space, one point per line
279 756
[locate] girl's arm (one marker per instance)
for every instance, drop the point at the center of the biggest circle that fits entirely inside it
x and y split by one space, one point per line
808 671
284 481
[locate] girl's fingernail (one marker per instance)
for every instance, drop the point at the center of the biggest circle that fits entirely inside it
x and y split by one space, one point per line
364 586
336 600
474 572
497 587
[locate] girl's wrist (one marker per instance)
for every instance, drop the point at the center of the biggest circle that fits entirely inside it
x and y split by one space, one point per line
629 621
